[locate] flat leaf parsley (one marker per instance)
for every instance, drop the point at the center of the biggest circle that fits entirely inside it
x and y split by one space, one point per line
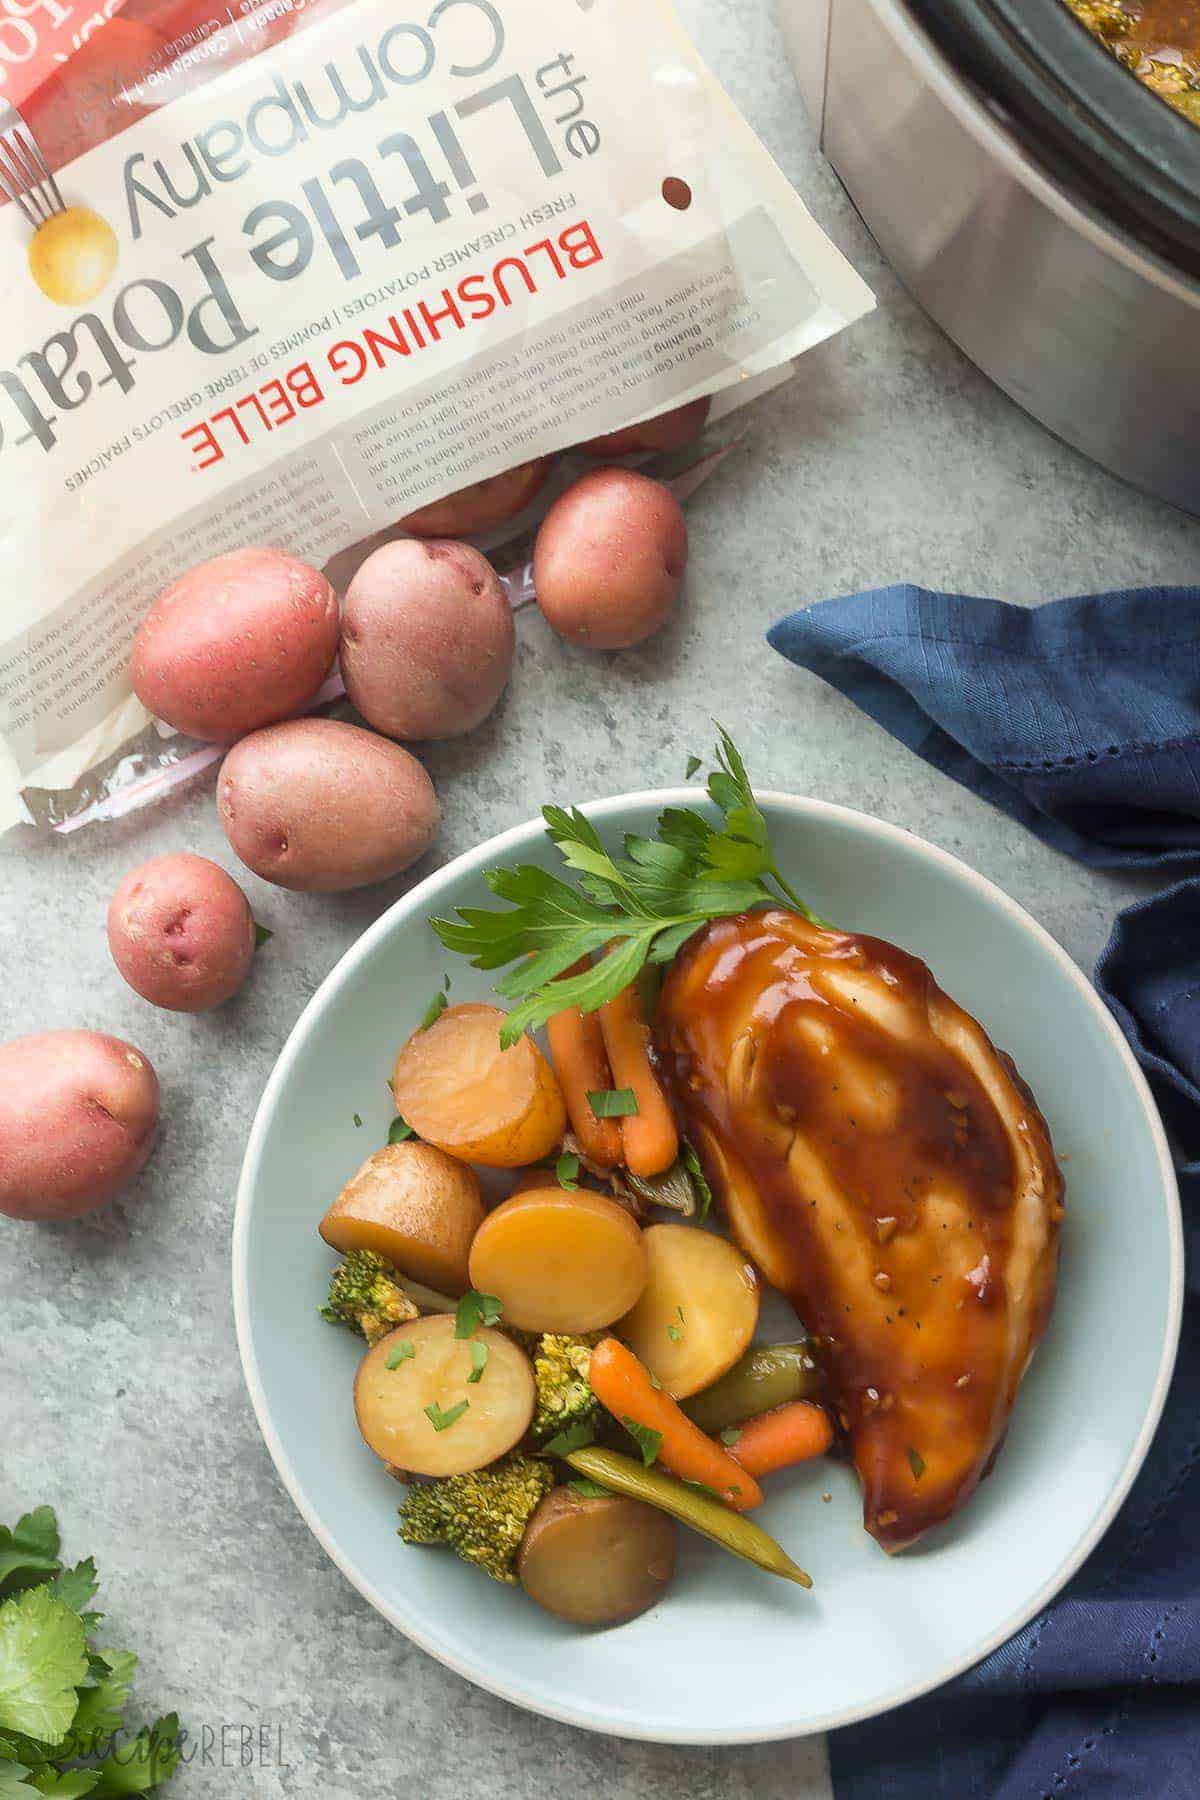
626 910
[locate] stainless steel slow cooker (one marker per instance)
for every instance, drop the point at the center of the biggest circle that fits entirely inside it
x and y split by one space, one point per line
1040 203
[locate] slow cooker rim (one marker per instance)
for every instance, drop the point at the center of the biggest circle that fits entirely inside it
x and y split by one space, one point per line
1115 138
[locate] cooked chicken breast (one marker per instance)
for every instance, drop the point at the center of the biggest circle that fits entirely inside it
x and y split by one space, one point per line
886 1168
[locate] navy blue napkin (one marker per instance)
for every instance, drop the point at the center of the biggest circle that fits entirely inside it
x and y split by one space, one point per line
1080 719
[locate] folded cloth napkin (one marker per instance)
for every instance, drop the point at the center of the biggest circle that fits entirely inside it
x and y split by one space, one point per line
1081 719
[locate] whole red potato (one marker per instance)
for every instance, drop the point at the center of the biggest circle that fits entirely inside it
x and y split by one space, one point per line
669 431
78 1111
427 638
609 559
236 643
319 806
181 932
481 506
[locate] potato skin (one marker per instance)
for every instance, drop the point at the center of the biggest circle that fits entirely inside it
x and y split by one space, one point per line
320 806
609 559
669 431
481 506
596 1561
236 643
181 932
414 1205
427 639
78 1111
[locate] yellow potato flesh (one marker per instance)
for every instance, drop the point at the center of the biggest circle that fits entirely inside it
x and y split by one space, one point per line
389 1404
416 1207
697 1312
559 1261
458 1089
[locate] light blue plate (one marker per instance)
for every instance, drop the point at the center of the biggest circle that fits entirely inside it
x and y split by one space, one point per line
732 1656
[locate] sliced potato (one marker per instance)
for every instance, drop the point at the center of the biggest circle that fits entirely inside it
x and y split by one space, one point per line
416 1207
596 1561
390 1404
559 1261
460 1091
539 1177
698 1310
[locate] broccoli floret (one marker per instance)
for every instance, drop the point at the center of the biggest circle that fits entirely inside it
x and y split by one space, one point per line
482 1516
564 1393
364 1294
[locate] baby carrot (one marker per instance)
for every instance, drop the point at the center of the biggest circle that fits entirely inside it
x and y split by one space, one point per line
581 1064
786 1435
649 1135
622 1384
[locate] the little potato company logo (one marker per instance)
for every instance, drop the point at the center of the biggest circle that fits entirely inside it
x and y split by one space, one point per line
72 255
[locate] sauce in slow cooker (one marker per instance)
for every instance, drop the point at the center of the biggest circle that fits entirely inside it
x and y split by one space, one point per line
1157 40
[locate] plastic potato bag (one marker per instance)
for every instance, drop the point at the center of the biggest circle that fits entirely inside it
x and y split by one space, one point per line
309 266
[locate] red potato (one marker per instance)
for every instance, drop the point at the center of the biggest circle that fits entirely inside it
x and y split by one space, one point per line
181 932
669 431
482 506
609 559
320 806
237 643
78 1110
427 639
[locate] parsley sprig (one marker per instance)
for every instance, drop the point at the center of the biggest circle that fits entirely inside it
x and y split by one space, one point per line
627 909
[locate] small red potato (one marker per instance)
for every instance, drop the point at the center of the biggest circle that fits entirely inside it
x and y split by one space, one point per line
596 1560
181 932
78 1111
609 559
427 639
320 806
669 431
236 643
482 506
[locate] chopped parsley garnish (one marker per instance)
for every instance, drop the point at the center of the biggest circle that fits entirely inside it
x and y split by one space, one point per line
591 1490
566 1171
691 1163
436 1007
916 1463
693 763
576 1437
613 1103
476 1309
358 1121
647 1440
674 1333
262 935
731 1434
399 1354
479 1357
442 1421
399 1130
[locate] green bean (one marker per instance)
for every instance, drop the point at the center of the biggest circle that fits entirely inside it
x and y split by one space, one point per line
766 1376
691 1506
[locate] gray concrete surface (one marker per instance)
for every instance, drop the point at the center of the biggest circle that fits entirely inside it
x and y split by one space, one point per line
121 1398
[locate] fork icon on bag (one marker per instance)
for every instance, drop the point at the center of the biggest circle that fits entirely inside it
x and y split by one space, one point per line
25 175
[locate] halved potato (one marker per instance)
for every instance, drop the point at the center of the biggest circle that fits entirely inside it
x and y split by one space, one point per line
460 1091
559 1261
416 1207
698 1310
596 1561
390 1404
